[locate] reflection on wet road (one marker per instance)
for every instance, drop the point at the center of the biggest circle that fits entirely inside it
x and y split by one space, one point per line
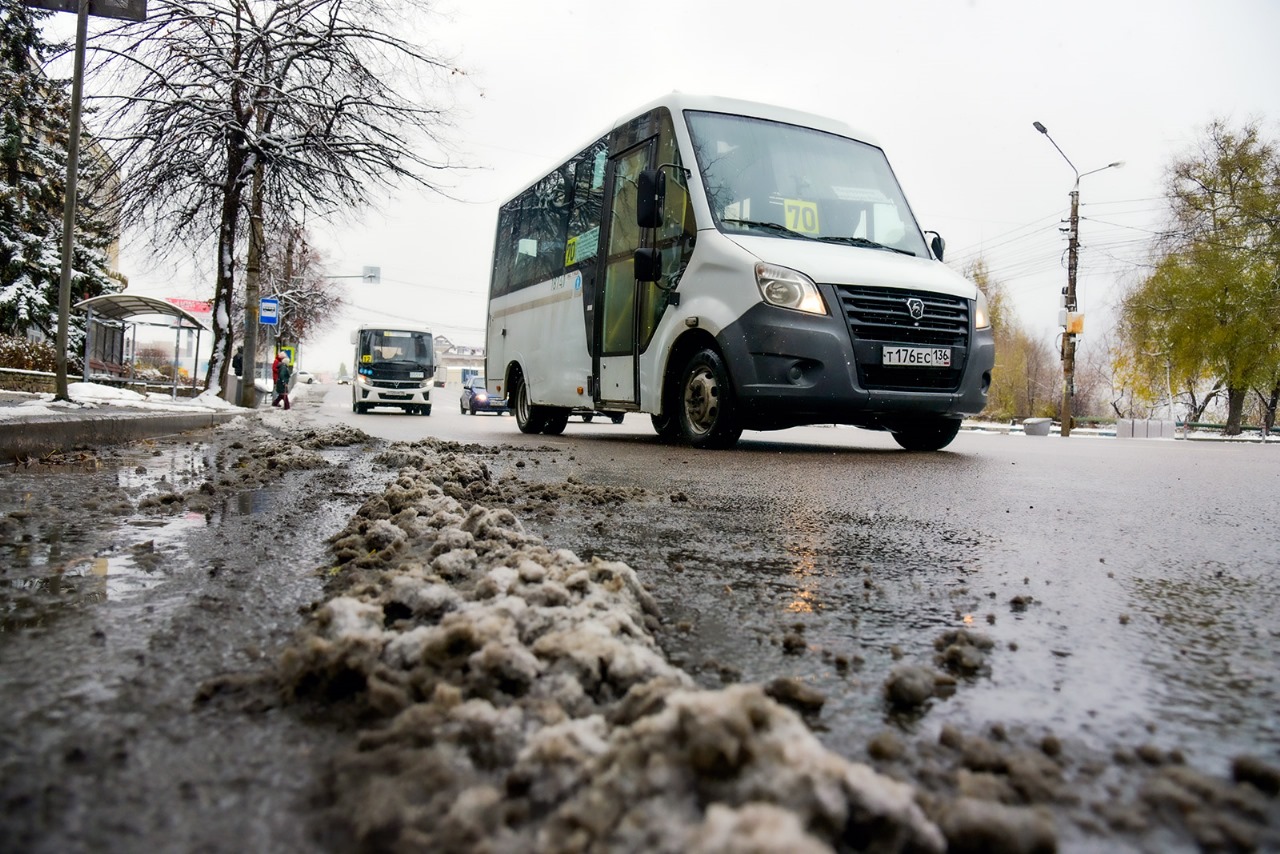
1121 609
63 546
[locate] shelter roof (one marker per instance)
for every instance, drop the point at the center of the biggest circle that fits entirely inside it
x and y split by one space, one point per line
125 306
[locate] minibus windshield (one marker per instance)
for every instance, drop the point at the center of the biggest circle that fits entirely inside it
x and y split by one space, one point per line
793 182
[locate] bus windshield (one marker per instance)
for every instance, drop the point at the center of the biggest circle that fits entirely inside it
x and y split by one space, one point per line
395 346
781 180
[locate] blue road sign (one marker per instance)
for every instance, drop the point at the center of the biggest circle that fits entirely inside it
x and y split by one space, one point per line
269 311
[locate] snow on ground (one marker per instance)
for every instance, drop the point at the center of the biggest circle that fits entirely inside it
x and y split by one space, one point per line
90 396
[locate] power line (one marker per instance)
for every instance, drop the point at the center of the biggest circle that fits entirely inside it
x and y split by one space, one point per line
431 287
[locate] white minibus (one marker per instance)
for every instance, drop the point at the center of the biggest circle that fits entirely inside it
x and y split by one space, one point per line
726 266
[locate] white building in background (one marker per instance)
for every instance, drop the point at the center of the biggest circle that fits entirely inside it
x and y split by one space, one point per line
456 363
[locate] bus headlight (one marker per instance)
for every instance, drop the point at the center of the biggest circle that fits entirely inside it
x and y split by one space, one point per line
981 314
787 288
363 380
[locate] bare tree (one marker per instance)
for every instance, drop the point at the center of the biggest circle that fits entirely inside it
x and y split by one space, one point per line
293 271
295 274
228 107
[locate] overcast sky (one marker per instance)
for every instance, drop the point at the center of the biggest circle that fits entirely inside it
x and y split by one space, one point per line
949 88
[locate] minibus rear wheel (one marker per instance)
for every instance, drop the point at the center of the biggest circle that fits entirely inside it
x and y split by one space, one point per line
529 418
556 420
705 406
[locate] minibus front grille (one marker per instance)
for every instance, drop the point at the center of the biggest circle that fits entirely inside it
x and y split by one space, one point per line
883 314
879 316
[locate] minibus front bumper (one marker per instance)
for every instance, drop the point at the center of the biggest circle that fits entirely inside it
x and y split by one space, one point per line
790 368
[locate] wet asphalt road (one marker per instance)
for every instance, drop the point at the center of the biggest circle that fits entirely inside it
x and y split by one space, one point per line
1131 587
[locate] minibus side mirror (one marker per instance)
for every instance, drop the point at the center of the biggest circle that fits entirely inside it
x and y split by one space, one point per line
648 265
937 244
651 192
355 337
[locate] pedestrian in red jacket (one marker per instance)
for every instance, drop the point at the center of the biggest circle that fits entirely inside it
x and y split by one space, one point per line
281 372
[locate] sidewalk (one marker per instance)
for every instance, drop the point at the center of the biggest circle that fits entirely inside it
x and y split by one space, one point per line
32 425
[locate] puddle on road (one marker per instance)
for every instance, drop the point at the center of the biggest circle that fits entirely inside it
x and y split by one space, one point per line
837 599
834 599
71 536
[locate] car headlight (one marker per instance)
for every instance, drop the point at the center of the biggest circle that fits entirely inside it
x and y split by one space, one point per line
981 314
787 288
481 397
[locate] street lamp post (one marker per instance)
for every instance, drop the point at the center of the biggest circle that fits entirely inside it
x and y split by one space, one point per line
1072 320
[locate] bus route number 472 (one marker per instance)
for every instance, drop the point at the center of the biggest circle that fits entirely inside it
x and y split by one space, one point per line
922 357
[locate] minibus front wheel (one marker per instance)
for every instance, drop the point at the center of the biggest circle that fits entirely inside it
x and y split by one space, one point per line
930 434
705 405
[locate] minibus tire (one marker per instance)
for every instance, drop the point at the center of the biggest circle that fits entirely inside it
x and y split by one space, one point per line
556 421
932 434
529 418
705 404
667 426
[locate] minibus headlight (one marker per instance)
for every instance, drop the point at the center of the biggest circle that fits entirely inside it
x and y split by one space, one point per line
362 379
787 288
981 314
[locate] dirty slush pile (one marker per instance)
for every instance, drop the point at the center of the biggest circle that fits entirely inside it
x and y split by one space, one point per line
508 696
513 699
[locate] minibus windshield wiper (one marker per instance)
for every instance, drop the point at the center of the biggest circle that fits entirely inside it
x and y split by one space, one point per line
847 241
771 226
869 244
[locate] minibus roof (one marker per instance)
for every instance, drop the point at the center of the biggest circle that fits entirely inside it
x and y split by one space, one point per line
678 102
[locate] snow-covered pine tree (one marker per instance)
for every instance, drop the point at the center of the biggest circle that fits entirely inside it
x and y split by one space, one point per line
34 120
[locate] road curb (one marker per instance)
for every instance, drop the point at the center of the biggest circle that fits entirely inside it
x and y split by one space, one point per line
32 437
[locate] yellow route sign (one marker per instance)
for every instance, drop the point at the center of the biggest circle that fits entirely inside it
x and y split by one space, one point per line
802 216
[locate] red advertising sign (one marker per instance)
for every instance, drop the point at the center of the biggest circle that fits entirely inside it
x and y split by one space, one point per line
193 306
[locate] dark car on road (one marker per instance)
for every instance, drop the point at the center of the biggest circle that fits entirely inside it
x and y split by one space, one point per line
476 398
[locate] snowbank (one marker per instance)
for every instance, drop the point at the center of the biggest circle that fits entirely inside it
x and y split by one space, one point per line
519 702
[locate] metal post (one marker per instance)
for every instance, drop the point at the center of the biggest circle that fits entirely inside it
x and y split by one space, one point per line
88 346
69 206
177 355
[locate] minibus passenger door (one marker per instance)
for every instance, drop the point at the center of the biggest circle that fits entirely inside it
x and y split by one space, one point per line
616 333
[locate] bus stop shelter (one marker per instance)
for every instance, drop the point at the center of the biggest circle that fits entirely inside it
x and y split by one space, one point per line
114 317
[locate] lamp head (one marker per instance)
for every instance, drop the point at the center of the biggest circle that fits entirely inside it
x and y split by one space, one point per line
1040 127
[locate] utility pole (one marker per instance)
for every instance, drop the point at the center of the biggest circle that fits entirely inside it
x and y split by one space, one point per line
1069 306
1071 320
